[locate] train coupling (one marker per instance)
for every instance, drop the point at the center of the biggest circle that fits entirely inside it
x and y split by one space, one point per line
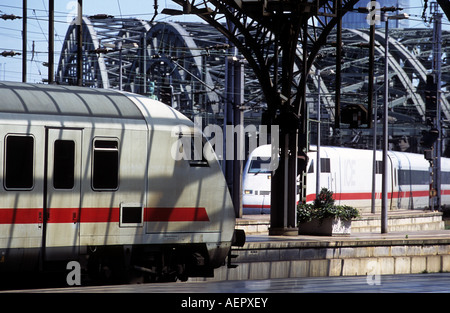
238 238
238 241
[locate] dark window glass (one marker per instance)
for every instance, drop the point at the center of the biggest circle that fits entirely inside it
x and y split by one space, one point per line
64 164
19 162
413 177
132 215
260 165
311 168
197 156
445 178
105 174
378 167
325 166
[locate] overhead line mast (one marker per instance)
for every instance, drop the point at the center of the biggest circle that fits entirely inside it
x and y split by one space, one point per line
259 25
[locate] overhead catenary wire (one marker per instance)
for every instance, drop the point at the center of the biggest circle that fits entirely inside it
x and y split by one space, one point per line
41 17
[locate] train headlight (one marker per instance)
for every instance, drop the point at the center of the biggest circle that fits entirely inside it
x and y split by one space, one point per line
248 192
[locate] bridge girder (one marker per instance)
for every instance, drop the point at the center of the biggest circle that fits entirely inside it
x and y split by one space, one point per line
194 54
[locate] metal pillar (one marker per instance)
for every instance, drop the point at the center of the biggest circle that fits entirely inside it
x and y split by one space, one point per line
371 75
374 160
51 41
24 41
239 143
371 107
119 47
384 186
80 44
437 55
143 65
318 170
234 133
337 105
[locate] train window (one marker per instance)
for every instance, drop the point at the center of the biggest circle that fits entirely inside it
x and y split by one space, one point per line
260 165
325 166
131 215
64 164
19 156
105 172
378 167
311 167
197 156
413 177
445 177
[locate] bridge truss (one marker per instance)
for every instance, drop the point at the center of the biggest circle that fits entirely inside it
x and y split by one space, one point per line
279 40
188 59
180 63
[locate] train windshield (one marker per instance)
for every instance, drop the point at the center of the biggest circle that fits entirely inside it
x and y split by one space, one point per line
259 165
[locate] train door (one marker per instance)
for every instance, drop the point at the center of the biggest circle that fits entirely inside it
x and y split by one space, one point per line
62 193
327 175
326 170
392 185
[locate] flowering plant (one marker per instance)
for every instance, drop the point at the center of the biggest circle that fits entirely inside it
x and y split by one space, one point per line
323 207
324 199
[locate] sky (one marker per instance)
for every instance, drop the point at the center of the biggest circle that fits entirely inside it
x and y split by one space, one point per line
65 10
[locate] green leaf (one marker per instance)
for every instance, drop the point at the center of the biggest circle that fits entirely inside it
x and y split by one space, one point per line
323 207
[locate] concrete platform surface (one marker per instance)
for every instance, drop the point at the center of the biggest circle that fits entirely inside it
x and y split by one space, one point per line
361 253
443 236
398 221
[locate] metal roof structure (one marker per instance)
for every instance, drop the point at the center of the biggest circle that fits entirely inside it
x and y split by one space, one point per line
45 99
188 61
410 55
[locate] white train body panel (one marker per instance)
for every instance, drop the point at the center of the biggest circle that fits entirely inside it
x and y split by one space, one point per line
98 172
256 182
348 173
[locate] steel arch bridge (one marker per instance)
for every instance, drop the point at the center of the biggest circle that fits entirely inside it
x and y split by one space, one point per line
410 55
186 61
186 64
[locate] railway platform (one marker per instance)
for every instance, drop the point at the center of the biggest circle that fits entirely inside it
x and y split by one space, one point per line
398 220
403 250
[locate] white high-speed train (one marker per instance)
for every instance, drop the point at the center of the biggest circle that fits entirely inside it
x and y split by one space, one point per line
91 175
348 173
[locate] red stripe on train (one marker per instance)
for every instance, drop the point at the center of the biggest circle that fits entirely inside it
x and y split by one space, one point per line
101 215
362 196
186 214
20 216
368 195
252 206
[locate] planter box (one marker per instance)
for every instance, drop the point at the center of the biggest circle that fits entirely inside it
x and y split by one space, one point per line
326 227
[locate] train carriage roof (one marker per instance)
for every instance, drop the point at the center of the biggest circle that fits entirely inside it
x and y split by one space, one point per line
66 100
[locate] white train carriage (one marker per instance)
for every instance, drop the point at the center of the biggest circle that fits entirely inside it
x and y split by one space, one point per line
348 173
90 175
